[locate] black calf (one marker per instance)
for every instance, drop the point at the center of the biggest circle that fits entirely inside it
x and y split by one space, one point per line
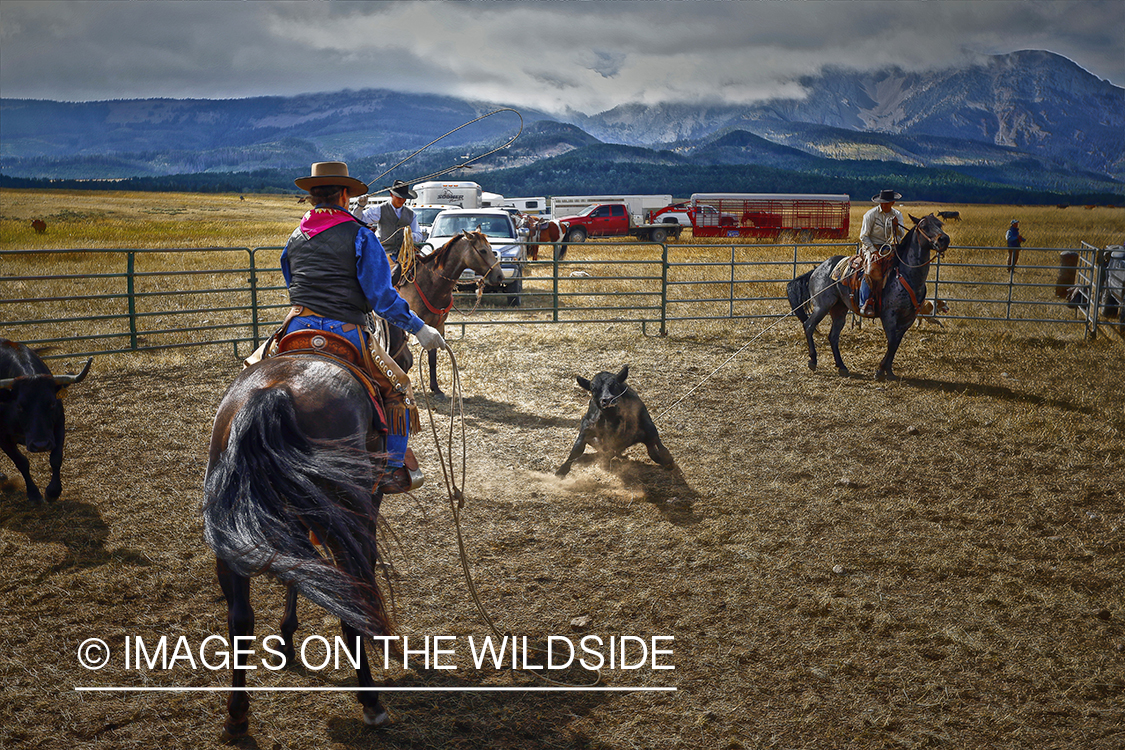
615 420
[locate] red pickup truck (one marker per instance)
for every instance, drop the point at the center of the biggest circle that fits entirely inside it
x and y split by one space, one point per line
613 220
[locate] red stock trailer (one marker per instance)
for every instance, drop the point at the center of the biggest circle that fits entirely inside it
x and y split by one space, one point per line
767 215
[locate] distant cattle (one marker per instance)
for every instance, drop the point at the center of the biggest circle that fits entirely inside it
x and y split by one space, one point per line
31 412
949 215
616 419
39 226
1063 205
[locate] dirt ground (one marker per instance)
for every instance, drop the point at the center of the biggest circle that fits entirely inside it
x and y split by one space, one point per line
934 562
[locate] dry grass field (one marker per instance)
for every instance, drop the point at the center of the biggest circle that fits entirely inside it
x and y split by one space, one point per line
933 562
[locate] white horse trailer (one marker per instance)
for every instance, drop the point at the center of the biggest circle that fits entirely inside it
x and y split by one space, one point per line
460 194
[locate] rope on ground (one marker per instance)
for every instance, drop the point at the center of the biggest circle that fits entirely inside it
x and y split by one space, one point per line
457 503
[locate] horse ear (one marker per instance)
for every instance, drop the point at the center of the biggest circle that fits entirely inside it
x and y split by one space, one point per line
583 382
623 374
914 218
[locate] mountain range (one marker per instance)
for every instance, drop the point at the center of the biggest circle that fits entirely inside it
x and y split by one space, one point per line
1027 126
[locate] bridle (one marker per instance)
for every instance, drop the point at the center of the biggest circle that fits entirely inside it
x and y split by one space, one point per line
433 261
932 241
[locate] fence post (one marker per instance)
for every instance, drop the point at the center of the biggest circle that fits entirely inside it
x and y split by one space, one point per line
555 286
254 297
730 309
1101 265
131 290
664 290
1011 284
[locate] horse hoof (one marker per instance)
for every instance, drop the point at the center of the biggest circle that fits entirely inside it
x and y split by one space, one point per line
812 365
880 376
376 717
843 372
232 733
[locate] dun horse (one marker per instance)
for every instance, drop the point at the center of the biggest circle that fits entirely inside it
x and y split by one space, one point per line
816 294
295 454
429 289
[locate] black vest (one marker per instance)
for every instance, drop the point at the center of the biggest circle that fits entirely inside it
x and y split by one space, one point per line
323 274
389 224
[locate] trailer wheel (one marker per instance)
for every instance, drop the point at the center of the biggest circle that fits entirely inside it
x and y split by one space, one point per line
659 234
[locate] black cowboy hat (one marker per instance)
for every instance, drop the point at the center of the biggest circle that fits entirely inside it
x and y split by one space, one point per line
401 190
331 173
886 196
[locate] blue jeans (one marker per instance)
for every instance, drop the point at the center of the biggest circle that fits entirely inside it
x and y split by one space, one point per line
396 444
327 324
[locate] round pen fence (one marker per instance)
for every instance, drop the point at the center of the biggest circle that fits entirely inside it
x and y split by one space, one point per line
86 302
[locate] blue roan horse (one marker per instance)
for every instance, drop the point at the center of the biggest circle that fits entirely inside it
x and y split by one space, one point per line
816 294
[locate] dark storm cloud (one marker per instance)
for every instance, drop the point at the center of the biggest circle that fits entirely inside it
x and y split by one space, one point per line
585 56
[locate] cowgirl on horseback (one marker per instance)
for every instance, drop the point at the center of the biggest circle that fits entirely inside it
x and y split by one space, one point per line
336 272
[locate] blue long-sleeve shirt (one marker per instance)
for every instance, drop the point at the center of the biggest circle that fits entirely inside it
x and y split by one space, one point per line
373 272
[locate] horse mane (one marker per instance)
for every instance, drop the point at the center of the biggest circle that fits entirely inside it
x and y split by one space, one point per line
441 252
907 238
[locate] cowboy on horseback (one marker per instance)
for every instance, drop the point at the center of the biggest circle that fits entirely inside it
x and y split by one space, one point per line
336 271
882 230
392 220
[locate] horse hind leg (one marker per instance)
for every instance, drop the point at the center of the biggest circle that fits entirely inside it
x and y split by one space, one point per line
839 317
240 624
288 626
375 713
817 315
431 358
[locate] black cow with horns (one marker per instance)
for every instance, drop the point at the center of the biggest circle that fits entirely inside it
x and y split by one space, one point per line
31 412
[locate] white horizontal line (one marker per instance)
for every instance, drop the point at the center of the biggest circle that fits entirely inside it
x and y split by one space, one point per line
545 689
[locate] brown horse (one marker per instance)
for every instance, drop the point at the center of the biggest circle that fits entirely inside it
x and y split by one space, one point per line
543 231
428 288
294 458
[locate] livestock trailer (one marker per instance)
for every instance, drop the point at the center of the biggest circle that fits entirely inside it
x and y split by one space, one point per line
767 215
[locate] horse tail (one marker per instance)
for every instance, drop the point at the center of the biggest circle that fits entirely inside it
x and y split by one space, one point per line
799 295
272 486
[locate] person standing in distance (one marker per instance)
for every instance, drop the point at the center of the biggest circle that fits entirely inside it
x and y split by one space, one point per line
1015 242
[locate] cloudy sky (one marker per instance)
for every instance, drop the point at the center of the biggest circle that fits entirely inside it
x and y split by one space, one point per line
586 56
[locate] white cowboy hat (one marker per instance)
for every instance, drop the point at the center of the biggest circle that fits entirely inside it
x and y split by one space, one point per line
331 173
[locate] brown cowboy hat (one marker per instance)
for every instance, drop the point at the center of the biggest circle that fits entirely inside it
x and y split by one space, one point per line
331 173
402 190
886 196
